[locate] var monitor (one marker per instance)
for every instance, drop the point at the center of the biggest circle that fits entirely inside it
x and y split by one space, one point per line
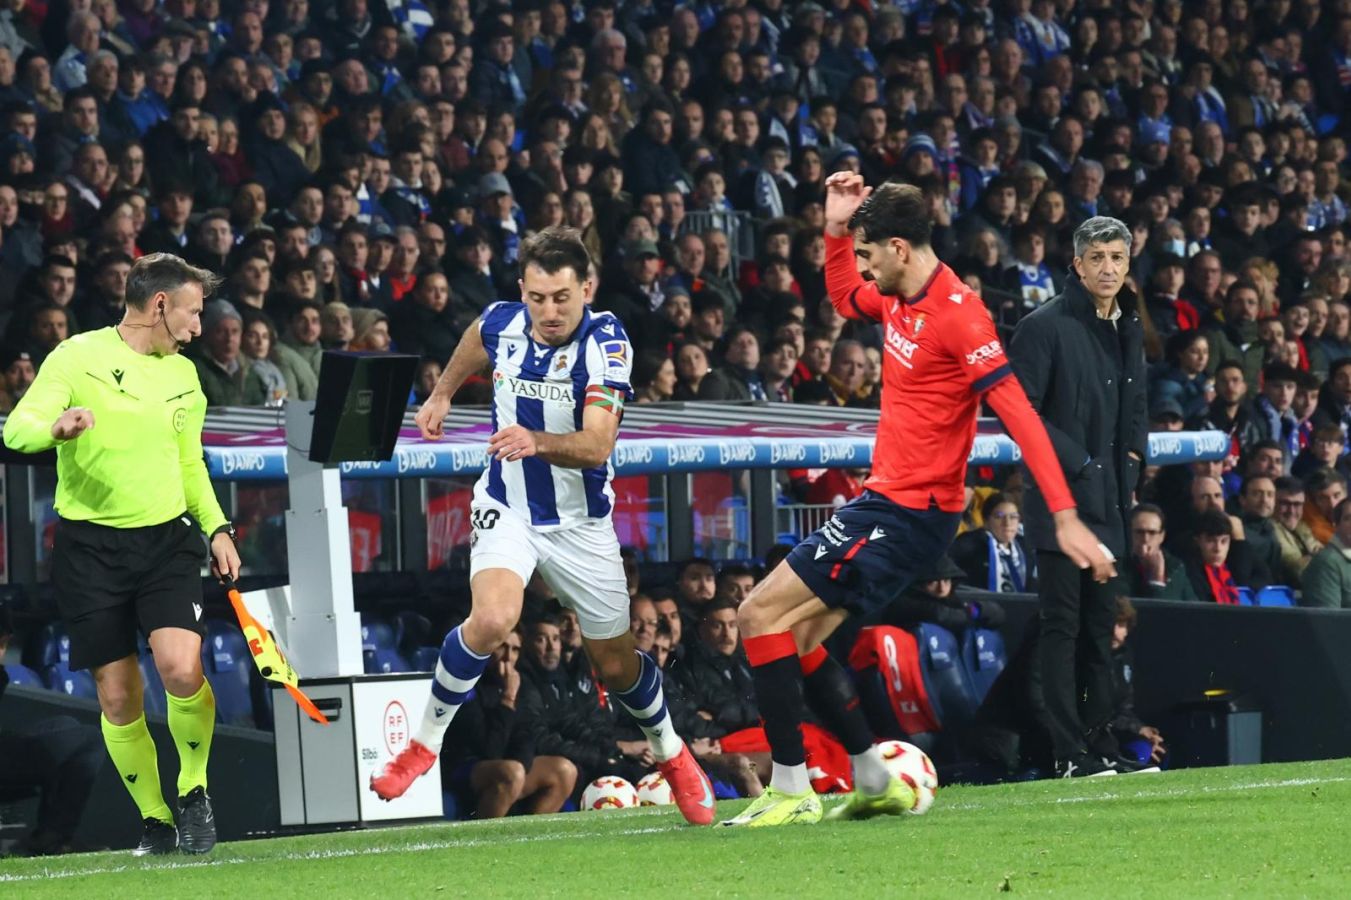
360 405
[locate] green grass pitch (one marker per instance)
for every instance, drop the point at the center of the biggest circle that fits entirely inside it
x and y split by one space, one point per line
1254 831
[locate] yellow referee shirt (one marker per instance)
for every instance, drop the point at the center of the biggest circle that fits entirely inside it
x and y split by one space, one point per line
141 464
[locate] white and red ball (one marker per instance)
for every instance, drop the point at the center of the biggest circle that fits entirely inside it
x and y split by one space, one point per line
913 766
609 792
654 791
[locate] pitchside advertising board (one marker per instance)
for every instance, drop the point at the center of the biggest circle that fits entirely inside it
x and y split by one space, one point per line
324 771
657 450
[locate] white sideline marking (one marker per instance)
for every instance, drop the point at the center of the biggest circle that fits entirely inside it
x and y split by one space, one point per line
328 854
417 846
1173 794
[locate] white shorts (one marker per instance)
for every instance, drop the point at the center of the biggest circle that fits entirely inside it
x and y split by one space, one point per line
581 564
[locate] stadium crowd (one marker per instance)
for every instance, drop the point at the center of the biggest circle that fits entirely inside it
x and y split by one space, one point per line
362 172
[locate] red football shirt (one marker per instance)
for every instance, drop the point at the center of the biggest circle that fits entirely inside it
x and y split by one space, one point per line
940 354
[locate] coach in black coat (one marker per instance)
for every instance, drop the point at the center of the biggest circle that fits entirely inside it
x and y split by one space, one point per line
1080 358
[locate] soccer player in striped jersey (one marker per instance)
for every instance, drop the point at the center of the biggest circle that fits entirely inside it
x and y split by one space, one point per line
560 377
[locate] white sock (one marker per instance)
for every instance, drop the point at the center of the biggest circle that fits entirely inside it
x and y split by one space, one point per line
790 779
665 742
871 775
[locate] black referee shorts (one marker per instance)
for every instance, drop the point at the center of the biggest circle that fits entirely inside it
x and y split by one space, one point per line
110 581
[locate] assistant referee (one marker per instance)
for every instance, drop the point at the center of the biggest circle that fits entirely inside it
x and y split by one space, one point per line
124 411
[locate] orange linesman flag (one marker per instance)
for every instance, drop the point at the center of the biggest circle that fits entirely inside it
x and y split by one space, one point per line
267 656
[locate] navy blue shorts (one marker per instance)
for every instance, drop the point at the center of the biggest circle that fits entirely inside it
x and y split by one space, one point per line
871 549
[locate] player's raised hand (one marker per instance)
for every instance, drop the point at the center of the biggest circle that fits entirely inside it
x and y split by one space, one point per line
845 193
511 443
431 417
1083 547
72 423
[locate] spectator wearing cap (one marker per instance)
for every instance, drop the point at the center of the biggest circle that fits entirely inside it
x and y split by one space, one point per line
335 326
476 278
1184 383
227 376
500 218
370 331
18 372
1326 581
379 256
634 291
739 377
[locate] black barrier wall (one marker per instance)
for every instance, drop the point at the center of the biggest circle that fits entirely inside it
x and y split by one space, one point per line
242 773
1294 664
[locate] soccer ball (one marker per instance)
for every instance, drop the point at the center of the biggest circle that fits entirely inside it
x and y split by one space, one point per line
609 792
913 766
654 791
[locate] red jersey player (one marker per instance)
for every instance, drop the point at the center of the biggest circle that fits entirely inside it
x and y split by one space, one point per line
941 356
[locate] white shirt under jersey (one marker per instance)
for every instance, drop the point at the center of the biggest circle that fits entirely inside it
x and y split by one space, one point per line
544 388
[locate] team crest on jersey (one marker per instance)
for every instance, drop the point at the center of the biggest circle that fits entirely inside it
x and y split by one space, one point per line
498 379
919 324
561 363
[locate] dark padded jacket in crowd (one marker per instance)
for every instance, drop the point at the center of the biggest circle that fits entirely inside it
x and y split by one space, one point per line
485 729
1087 380
719 685
565 721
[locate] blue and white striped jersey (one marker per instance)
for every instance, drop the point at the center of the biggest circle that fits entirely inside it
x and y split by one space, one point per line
545 388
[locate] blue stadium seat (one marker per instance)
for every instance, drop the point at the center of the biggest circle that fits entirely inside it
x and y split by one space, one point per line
376 633
984 657
424 659
155 701
25 676
411 631
382 662
47 647
951 692
1245 597
229 667
75 684
1276 595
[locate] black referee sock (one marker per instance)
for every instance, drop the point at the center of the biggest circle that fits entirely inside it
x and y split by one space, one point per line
778 692
832 695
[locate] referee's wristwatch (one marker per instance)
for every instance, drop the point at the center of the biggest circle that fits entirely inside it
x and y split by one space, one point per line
229 529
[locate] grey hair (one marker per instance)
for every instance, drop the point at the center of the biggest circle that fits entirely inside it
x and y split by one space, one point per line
165 273
1100 230
1091 165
